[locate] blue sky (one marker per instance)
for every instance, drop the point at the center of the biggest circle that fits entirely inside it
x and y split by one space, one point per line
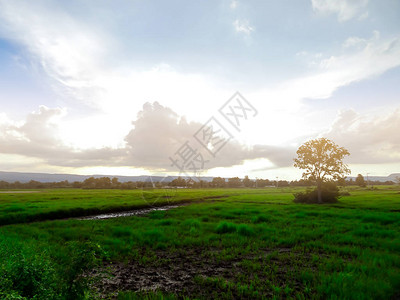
75 75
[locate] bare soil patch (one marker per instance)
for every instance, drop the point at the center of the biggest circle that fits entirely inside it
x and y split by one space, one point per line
179 272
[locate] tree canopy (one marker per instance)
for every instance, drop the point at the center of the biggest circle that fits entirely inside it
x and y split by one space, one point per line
360 180
321 159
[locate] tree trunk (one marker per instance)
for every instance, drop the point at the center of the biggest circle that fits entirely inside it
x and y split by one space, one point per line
319 183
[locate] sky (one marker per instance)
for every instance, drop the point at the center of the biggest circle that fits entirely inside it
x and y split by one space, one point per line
150 87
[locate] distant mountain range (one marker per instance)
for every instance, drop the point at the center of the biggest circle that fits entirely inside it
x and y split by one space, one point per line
391 177
47 177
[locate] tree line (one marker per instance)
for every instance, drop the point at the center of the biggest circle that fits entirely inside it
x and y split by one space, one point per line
217 182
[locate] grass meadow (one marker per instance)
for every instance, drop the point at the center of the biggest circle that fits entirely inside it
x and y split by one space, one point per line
224 244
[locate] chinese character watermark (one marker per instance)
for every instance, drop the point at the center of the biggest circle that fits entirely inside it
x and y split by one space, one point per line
237 109
155 190
190 159
212 136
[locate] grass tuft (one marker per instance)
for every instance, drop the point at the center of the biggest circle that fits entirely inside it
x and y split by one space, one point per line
225 227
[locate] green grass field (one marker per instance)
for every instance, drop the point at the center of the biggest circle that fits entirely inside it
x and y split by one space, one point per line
228 243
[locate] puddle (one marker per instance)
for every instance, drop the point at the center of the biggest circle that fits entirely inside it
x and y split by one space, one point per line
143 211
129 213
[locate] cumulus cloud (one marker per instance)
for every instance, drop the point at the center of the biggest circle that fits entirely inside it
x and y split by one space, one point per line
38 137
73 54
345 9
157 133
88 65
370 139
39 130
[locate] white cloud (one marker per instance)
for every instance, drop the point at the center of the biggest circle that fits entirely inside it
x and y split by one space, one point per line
243 26
283 107
359 43
370 138
38 137
362 59
75 56
345 9
39 129
234 4
157 133
67 50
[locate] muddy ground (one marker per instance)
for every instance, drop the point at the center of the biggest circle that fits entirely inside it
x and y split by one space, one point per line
181 272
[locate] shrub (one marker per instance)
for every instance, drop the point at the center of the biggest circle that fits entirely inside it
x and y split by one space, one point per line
76 259
329 192
26 273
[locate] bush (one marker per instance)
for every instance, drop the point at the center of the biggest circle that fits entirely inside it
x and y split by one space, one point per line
75 260
26 273
329 193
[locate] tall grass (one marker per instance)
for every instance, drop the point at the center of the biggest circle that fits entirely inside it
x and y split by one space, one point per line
349 250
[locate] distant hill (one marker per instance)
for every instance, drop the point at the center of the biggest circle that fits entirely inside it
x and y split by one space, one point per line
391 177
394 176
47 177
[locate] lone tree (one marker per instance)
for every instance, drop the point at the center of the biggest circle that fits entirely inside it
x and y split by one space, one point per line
360 180
321 159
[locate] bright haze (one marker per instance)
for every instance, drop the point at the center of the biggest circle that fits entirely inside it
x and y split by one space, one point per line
117 87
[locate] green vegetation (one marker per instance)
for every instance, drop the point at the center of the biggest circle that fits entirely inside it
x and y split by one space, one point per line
360 181
329 194
322 161
65 203
241 243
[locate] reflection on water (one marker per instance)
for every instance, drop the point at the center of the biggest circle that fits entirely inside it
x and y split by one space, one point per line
136 212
